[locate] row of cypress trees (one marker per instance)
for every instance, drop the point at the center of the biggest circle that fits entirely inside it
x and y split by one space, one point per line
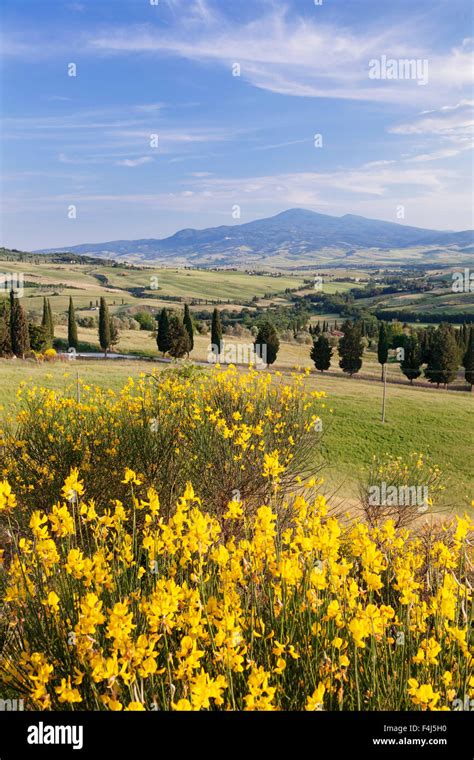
443 350
175 335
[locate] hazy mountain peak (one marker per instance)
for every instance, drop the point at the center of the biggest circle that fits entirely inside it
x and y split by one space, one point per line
296 234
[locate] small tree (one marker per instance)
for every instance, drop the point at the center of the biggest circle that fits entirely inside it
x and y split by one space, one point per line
104 326
5 330
50 322
114 332
188 323
20 341
39 339
382 346
45 322
216 332
411 363
468 360
321 353
267 343
179 338
350 349
444 362
72 340
163 339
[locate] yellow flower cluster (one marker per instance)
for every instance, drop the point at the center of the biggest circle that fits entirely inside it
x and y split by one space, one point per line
119 608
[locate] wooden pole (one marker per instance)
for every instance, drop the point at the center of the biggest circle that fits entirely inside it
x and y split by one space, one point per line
384 397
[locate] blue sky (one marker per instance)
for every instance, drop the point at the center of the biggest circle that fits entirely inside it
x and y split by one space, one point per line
225 140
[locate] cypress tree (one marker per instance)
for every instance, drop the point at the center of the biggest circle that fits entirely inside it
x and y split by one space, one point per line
179 337
267 343
20 342
443 360
426 341
72 340
468 359
350 349
216 332
382 346
5 331
114 333
187 321
411 363
45 323
104 326
50 321
39 339
163 339
321 353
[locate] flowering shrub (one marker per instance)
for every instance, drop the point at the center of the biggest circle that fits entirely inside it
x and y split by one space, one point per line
120 608
215 430
400 489
50 355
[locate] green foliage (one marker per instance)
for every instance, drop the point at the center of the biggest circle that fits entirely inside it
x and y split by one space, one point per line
382 345
39 338
146 320
411 363
50 322
321 353
444 356
46 322
468 359
72 339
20 341
267 343
189 326
216 331
179 338
104 326
114 332
5 331
163 338
350 349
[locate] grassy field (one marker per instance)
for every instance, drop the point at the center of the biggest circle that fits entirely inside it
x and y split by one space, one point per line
427 420
120 286
422 418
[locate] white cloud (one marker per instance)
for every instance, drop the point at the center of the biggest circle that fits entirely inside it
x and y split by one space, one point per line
448 121
298 56
446 132
132 162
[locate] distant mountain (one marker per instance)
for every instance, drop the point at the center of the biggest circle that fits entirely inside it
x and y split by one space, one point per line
293 235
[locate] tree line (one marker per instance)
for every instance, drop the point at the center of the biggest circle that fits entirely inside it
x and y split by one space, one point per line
443 350
438 353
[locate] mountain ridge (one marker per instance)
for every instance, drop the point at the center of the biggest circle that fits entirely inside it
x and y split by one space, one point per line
291 234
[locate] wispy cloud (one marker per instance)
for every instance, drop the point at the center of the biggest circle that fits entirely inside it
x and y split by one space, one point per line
132 162
298 56
448 131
